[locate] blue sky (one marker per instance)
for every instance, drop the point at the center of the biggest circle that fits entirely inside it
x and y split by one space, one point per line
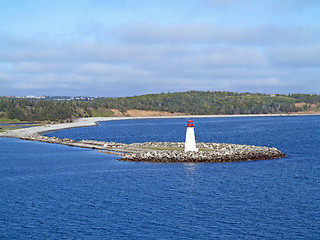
132 47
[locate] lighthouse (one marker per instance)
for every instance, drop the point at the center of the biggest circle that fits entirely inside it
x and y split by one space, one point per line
190 143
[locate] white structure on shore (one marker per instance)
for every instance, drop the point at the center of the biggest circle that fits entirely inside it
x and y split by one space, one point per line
190 143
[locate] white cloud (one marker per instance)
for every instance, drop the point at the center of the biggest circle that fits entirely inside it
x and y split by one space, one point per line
212 34
295 56
178 58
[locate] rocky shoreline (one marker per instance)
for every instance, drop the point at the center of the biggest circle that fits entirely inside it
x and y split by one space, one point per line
168 152
209 152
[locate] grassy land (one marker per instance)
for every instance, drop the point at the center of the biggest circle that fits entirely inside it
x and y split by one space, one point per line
314 109
163 148
7 120
3 129
101 112
177 149
12 124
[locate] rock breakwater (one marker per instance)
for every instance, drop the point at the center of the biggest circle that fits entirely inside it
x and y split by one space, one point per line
167 152
209 152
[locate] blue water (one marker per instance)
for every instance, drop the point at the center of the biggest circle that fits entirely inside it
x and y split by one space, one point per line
50 191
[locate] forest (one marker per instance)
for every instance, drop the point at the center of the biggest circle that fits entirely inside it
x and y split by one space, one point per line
192 102
36 110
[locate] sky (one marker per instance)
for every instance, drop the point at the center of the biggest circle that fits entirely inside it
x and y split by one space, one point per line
113 48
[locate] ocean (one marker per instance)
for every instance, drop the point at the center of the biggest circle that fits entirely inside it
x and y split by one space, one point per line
50 191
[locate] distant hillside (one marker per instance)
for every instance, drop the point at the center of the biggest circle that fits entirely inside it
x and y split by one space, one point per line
193 102
197 102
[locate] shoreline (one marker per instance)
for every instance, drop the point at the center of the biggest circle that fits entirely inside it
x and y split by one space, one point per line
93 121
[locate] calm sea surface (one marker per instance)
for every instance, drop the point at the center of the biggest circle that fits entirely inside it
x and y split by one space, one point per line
50 191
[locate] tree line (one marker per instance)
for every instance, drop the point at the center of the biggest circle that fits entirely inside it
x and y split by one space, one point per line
199 102
36 110
192 102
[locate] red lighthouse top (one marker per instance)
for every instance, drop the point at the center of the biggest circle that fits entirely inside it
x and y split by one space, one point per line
190 123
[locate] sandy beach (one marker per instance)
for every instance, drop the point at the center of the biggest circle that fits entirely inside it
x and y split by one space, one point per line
81 122
86 122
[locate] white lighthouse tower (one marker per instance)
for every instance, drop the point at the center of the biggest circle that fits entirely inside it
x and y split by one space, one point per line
190 143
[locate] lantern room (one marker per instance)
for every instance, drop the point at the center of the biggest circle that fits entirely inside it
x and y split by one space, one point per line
190 123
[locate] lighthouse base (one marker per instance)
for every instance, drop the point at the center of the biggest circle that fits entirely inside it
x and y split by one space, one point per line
191 150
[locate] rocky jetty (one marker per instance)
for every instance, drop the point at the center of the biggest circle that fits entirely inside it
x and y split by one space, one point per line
209 152
167 152
99 145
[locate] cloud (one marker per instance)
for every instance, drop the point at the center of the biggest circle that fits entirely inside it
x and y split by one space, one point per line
269 5
208 34
153 58
295 6
225 3
39 67
117 49
295 56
